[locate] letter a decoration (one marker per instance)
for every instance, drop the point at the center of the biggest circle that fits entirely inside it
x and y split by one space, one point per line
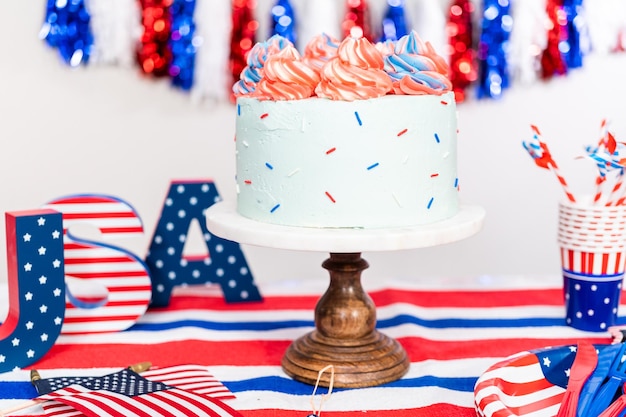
225 263
36 287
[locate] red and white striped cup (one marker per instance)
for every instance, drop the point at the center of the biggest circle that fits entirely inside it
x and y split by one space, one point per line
592 241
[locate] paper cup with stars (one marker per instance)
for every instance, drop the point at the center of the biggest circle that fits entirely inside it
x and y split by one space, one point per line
592 241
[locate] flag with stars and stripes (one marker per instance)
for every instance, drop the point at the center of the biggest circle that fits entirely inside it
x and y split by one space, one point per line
188 377
127 394
528 383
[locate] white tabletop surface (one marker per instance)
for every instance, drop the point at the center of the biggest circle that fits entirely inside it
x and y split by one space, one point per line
224 221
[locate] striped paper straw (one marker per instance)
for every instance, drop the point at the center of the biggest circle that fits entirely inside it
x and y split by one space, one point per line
540 153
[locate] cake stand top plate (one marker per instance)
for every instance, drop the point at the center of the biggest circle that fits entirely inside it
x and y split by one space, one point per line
224 221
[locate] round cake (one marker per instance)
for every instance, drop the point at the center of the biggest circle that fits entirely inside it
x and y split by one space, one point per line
352 135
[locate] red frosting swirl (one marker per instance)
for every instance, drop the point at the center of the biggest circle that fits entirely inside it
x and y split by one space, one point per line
320 50
286 77
356 73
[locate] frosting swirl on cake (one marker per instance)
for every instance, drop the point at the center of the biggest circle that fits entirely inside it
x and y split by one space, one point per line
415 68
256 58
320 50
356 73
386 48
286 77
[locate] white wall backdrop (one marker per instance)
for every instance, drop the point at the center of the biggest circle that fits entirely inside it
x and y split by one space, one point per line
102 129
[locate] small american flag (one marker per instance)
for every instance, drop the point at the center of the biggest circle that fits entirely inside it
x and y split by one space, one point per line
126 394
190 377
527 384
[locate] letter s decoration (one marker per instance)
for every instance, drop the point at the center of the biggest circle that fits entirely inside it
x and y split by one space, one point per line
123 275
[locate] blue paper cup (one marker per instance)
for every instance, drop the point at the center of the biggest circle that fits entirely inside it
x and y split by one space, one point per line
591 301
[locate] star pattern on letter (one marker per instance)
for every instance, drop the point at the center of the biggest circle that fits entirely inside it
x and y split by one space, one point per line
31 256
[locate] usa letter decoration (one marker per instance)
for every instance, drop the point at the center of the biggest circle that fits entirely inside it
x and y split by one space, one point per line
36 287
124 276
225 263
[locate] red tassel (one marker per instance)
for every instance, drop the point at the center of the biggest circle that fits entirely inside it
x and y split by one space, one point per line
552 62
153 54
357 17
242 37
462 57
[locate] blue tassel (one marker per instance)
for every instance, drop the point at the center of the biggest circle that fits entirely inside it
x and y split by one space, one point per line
571 49
283 20
67 29
492 49
394 21
183 43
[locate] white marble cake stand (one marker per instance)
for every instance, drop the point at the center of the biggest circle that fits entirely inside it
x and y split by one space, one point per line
345 334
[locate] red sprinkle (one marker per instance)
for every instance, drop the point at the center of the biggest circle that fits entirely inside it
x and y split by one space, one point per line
331 150
402 132
264 115
330 196
445 103
434 175
248 182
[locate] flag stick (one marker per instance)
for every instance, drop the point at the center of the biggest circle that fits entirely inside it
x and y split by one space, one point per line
19 407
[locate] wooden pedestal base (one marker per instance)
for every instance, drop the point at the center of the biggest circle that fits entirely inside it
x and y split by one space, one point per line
346 335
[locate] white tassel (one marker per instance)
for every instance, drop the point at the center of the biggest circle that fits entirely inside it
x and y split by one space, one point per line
263 15
529 38
428 18
128 32
607 22
212 79
319 16
116 27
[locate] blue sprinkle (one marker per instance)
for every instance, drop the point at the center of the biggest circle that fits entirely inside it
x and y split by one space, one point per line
372 166
267 164
430 203
437 138
358 119
456 182
238 109
274 208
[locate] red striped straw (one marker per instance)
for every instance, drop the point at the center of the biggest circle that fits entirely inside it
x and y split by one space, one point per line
563 183
602 143
599 182
617 193
544 160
